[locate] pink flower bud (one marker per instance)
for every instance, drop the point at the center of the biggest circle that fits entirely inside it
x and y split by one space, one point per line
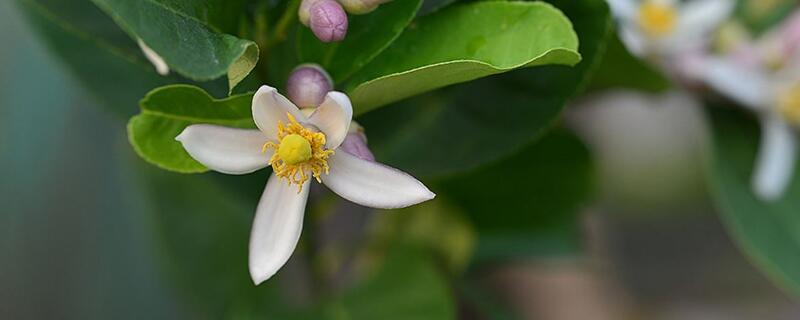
326 18
307 85
355 143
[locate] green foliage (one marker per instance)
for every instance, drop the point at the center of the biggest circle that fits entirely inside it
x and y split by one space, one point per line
464 43
638 74
769 233
180 32
527 204
168 110
367 36
459 128
117 73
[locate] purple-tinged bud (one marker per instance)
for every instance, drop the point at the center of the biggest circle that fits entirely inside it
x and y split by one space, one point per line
327 20
307 85
361 6
304 12
355 143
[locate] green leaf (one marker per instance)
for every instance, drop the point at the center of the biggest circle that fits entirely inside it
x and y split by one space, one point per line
117 73
367 36
462 43
462 127
527 204
407 286
638 74
188 44
767 232
166 111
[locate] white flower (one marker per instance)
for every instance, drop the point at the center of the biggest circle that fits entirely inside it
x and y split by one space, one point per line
667 27
298 147
764 76
158 62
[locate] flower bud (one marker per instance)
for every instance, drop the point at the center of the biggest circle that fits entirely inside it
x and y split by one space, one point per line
326 18
361 6
356 145
307 85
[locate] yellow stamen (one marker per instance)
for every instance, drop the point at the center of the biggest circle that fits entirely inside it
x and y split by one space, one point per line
789 104
657 19
298 152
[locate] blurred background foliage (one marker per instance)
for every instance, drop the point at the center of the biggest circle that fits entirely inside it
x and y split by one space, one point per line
533 220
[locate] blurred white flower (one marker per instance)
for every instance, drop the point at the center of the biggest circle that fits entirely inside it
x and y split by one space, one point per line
157 61
665 28
764 76
298 147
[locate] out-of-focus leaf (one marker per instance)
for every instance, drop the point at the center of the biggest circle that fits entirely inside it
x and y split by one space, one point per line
619 69
768 233
166 111
463 43
527 204
459 128
406 286
187 43
117 73
431 6
760 15
367 36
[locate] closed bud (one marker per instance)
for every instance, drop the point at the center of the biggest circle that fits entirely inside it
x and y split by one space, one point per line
360 6
326 18
355 143
307 85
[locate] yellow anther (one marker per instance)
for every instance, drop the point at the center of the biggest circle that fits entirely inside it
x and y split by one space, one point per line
657 19
299 151
789 104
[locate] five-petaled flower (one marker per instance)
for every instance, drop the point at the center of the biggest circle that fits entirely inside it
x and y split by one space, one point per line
666 28
764 76
299 147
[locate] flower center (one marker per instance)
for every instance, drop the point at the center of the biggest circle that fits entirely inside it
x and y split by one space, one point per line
299 154
789 104
656 19
294 149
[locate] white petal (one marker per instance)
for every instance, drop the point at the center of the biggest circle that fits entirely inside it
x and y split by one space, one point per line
276 227
623 9
776 158
634 41
224 149
699 17
372 184
333 117
155 59
746 86
269 107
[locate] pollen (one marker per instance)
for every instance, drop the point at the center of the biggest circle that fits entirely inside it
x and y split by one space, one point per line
299 154
789 104
657 19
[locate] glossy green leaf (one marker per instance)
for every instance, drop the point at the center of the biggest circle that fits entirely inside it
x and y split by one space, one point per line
618 61
78 29
367 36
527 204
768 233
458 128
463 43
168 110
189 45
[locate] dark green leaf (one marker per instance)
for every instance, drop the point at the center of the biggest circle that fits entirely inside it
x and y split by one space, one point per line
188 44
462 127
367 36
463 43
769 233
166 111
618 61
